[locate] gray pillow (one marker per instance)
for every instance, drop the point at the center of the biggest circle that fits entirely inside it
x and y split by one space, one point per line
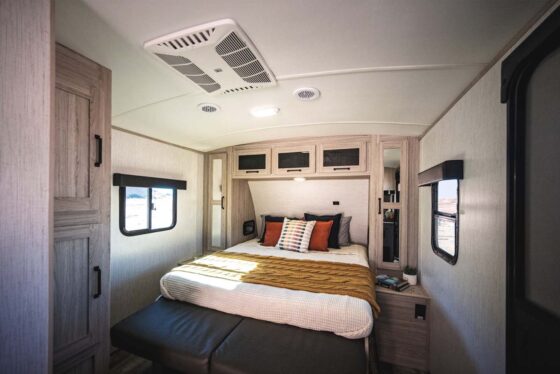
344 231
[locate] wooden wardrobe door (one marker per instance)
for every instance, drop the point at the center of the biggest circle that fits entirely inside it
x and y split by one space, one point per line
81 214
77 287
81 113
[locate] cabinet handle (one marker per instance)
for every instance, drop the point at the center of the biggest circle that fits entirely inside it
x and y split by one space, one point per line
223 197
341 169
252 171
97 269
290 170
99 157
379 206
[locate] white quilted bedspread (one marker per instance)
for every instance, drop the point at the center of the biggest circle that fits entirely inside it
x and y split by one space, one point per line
346 316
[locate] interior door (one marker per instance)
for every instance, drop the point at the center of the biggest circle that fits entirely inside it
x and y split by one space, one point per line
217 188
532 91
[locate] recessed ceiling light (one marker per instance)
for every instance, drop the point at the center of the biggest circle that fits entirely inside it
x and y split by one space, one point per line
208 107
307 93
299 179
264 111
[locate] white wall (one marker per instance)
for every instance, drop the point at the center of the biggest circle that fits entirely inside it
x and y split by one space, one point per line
138 262
290 198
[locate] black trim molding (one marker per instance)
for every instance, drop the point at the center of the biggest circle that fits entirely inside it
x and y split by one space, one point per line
451 169
127 180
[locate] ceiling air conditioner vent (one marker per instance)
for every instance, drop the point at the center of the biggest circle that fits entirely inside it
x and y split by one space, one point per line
307 93
218 57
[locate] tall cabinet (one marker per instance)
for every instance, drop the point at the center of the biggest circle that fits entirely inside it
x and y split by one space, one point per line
81 214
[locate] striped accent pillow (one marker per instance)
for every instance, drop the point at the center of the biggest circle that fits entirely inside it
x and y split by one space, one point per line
295 235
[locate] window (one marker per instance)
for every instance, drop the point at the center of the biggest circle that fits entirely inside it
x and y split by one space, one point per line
445 219
146 204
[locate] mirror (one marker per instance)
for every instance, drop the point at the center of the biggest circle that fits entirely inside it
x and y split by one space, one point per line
391 235
216 229
391 175
217 179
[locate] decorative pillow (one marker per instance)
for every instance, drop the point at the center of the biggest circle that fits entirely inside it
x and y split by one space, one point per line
320 236
268 219
344 232
295 235
272 234
333 237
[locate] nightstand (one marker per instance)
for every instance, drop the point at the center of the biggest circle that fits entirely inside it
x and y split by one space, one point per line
402 327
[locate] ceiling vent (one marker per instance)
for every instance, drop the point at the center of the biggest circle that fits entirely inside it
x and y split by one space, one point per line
208 108
307 93
218 57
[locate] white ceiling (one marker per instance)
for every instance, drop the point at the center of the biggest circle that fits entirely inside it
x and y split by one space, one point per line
383 66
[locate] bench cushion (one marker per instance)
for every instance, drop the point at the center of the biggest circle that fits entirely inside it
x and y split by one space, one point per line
256 346
178 335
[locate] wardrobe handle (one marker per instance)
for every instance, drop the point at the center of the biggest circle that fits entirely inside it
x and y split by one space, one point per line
252 172
341 169
290 170
223 197
99 157
379 206
97 269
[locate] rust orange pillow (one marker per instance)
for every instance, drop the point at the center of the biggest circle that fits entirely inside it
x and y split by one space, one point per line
320 236
272 233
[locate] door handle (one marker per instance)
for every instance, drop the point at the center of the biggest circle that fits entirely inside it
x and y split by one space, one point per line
99 156
379 206
223 197
97 269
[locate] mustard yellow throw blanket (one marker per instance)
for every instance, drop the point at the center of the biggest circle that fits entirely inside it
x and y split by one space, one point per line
301 275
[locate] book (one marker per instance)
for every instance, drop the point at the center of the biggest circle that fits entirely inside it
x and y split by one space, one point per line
393 283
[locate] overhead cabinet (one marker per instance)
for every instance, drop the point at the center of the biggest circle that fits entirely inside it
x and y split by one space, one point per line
251 162
293 160
341 157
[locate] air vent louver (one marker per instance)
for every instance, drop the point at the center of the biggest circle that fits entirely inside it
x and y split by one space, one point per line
242 60
218 57
307 93
208 108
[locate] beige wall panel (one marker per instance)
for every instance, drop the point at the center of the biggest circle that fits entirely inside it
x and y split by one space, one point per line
138 262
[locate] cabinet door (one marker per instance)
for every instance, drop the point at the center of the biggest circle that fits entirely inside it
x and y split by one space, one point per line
217 187
293 160
251 162
82 109
80 291
341 158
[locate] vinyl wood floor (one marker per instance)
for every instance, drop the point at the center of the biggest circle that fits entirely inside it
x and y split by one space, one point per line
126 363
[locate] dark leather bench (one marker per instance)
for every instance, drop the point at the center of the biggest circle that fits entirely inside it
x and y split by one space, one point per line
191 339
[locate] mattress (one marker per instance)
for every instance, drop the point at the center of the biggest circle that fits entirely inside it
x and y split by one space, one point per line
346 316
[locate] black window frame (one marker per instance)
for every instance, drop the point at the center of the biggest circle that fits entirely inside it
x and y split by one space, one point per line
122 213
124 180
452 259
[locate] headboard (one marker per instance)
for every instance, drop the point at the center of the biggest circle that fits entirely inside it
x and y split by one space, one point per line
291 198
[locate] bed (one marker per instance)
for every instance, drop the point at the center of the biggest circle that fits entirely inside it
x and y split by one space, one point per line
346 316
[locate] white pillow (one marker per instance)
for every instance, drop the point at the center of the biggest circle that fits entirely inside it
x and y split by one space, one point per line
295 235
